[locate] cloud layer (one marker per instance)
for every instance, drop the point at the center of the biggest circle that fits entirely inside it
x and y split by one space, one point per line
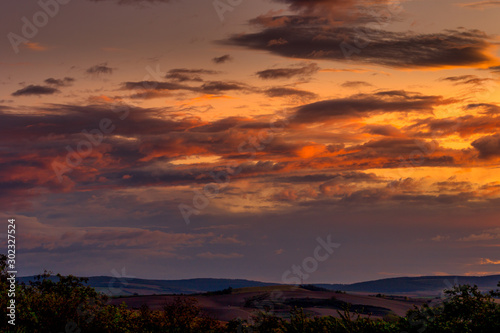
313 38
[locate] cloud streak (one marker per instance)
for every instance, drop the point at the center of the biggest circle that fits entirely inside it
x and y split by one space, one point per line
35 90
100 69
288 73
480 4
222 59
312 38
363 105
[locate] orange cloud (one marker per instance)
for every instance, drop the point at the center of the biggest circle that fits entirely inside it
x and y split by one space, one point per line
102 99
206 97
310 151
35 46
485 261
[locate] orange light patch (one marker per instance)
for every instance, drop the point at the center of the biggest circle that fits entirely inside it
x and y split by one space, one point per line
35 46
204 98
310 151
101 99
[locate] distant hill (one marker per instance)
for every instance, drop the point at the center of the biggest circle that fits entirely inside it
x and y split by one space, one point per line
418 286
130 286
424 285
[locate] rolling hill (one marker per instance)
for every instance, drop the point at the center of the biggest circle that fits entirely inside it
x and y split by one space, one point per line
129 286
424 285
416 286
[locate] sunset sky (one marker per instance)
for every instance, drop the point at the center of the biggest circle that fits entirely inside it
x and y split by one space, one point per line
173 139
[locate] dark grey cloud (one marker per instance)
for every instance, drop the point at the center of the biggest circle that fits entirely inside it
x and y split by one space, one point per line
136 141
384 130
48 89
397 152
184 74
459 78
346 10
356 84
363 104
222 59
485 108
299 4
488 146
214 87
35 90
132 2
452 185
208 87
154 85
352 176
313 38
426 199
467 79
284 92
287 73
142 178
342 190
464 126
150 94
495 69
100 69
67 81
64 120
220 125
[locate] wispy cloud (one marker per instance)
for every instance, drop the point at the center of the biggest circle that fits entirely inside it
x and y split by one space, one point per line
185 74
210 255
356 84
491 234
34 46
287 73
287 92
222 59
100 69
35 90
67 81
488 146
132 2
480 4
485 261
467 79
365 104
310 38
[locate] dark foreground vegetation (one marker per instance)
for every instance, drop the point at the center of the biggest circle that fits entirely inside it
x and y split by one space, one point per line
69 306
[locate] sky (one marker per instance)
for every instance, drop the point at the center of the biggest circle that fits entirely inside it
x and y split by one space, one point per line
330 141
